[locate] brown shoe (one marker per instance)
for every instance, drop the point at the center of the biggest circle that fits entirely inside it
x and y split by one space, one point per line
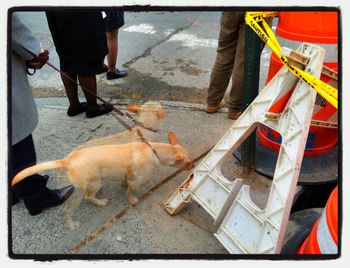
234 114
213 108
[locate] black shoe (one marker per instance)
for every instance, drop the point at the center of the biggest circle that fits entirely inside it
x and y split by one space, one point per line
73 112
97 111
117 74
56 198
23 187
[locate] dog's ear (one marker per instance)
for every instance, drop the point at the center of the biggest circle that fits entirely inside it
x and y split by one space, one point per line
135 108
161 113
172 138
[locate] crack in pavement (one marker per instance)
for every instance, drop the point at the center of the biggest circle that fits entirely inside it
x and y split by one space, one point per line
96 128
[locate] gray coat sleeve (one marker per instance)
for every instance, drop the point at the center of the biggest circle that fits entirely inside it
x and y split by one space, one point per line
24 42
24 112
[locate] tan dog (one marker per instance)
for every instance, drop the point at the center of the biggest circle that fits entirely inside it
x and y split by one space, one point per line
148 114
132 163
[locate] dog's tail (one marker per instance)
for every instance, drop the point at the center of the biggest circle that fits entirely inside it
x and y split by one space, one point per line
37 168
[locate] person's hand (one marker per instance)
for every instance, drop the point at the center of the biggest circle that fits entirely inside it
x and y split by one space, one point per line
38 62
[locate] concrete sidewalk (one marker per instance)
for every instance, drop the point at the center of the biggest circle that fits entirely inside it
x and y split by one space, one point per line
173 62
117 228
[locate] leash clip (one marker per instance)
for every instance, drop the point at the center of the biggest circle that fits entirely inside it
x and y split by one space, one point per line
31 73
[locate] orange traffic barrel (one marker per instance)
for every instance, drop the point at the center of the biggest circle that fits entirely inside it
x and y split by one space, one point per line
323 238
320 28
306 26
294 28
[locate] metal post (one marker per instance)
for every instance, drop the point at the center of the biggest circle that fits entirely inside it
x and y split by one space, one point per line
252 52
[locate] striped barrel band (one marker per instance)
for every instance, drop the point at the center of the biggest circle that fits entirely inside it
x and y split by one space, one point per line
324 237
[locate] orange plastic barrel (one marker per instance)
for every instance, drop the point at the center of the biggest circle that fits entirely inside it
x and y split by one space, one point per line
323 238
332 214
320 140
310 245
319 28
313 27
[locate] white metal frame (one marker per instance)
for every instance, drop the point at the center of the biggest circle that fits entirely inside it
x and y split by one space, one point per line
242 226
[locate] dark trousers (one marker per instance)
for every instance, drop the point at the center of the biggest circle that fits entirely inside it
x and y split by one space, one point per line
33 187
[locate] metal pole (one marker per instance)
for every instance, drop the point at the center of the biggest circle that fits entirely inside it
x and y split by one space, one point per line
252 52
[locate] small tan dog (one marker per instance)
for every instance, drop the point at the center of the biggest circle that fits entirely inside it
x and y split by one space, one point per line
132 163
149 115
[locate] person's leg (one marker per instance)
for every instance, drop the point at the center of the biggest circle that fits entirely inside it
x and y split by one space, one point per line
114 21
23 155
93 110
71 87
112 43
89 82
235 101
225 57
36 196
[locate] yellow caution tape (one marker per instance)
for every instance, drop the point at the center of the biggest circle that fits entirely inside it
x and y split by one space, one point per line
264 14
326 91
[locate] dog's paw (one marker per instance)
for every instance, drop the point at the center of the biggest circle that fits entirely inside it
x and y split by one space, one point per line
133 200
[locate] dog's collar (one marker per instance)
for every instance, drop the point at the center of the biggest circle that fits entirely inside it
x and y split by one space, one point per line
155 153
146 142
